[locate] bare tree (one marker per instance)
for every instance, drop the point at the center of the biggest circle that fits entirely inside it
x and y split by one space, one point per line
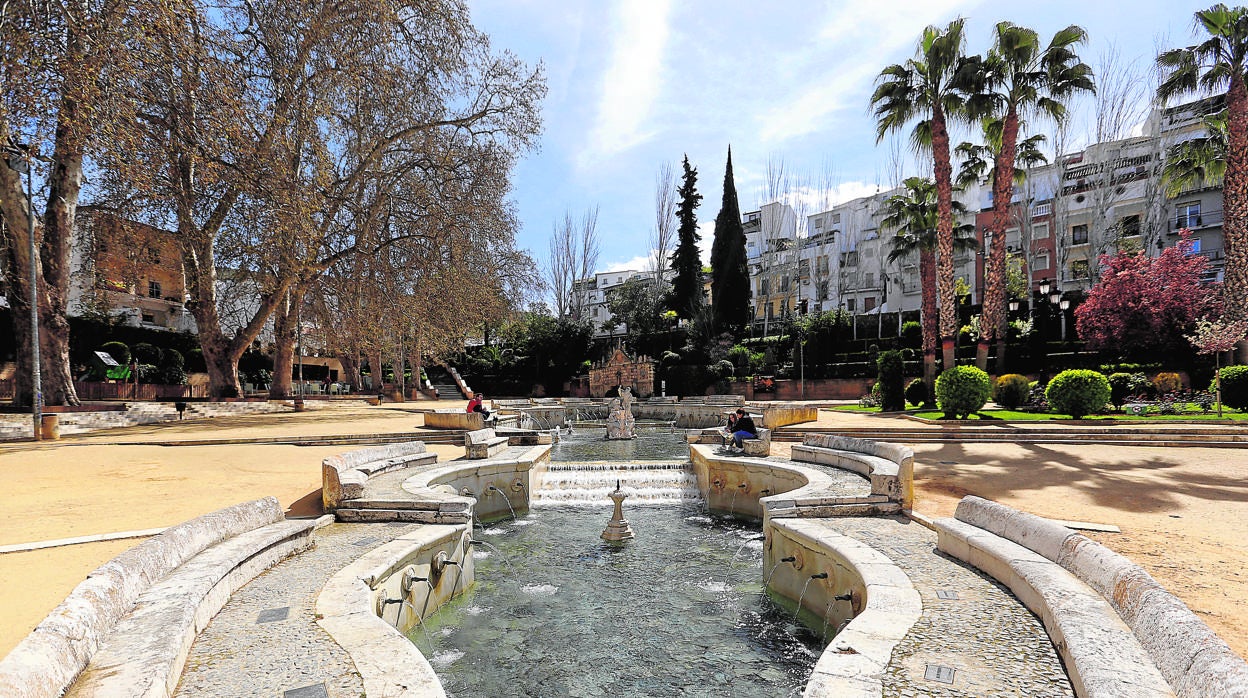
663 236
573 258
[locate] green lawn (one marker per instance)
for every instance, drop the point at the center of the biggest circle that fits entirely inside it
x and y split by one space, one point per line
1015 416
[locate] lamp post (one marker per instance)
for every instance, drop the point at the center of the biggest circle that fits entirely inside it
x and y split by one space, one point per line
21 165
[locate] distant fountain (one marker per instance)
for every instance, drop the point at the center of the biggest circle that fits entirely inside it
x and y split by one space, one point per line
620 422
618 528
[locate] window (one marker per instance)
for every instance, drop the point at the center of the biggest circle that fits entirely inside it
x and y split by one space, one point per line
869 281
850 305
149 318
1011 237
153 289
836 218
1079 235
1187 215
1130 226
1042 262
1195 249
818 223
1079 269
868 304
784 284
823 290
849 259
1040 231
764 287
153 255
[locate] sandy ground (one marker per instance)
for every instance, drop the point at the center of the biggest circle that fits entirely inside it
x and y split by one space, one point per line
1182 511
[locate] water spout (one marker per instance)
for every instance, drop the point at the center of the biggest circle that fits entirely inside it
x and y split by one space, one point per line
506 498
821 575
767 581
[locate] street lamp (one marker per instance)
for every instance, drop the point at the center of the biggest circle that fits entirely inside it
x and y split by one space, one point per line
21 165
1062 304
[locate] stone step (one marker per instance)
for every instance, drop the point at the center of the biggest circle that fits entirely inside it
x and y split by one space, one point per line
355 515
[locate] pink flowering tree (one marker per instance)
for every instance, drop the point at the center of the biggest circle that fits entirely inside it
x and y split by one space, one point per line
1144 306
1218 337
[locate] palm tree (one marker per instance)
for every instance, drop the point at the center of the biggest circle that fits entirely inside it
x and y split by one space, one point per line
978 165
1021 79
1199 162
1211 67
932 87
913 214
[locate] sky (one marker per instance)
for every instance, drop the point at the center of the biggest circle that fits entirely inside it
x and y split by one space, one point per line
634 84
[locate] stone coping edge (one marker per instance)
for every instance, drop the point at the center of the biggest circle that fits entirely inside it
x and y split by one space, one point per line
1190 656
343 475
897 483
47 661
855 662
390 665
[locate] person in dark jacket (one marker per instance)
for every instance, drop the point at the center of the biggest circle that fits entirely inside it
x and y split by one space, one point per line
745 429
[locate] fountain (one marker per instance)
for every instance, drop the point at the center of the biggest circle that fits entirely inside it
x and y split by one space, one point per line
620 422
618 528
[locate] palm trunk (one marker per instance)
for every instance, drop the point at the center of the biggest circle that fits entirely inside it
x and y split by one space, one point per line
994 321
944 238
927 276
1235 206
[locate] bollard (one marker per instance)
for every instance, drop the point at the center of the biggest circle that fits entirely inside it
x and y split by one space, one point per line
50 427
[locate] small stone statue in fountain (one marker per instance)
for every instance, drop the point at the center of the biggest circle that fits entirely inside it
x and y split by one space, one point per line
620 422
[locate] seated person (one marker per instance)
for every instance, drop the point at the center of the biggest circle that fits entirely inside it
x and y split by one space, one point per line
744 429
475 405
729 427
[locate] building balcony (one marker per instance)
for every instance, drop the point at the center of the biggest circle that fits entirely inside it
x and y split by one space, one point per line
1199 221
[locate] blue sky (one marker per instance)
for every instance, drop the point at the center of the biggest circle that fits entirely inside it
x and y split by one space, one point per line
635 83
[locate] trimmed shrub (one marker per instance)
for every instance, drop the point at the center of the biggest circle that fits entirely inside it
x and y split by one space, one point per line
1011 391
1078 392
1124 385
892 383
145 353
916 392
1234 387
962 390
120 352
911 334
1167 383
172 368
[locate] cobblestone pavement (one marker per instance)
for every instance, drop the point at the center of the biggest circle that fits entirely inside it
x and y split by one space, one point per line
993 644
244 653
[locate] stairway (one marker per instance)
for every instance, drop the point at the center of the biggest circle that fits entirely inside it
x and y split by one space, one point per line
443 383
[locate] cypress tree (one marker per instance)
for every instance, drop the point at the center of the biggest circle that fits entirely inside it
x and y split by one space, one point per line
730 278
686 296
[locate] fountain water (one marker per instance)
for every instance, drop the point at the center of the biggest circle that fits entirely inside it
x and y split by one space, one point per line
767 581
507 499
802 596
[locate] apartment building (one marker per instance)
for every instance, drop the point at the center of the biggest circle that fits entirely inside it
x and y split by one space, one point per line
589 298
128 270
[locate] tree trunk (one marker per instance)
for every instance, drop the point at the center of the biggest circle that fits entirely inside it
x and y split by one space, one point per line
931 337
1001 354
222 366
351 369
944 238
285 335
995 320
1235 206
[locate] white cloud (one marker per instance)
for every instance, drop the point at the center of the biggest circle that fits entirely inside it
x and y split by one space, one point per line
641 263
853 31
632 80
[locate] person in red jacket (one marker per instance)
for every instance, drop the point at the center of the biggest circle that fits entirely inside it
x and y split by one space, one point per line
475 405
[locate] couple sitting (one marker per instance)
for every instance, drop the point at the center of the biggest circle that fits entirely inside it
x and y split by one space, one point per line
740 427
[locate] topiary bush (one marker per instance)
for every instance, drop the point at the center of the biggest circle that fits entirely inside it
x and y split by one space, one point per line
916 392
172 368
911 334
1011 391
1167 383
1124 385
962 390
891 382
1078 392
1234 387
120 352
145 353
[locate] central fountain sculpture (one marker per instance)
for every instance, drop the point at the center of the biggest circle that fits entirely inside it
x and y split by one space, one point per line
618 528
620 422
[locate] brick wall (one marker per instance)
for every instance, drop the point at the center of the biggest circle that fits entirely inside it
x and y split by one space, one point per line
620 369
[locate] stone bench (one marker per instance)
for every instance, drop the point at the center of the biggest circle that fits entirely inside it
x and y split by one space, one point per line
890 467
343 476
454 419
126 629
760 447
483 443
1118 631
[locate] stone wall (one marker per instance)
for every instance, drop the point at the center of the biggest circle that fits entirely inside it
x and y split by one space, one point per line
620 369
